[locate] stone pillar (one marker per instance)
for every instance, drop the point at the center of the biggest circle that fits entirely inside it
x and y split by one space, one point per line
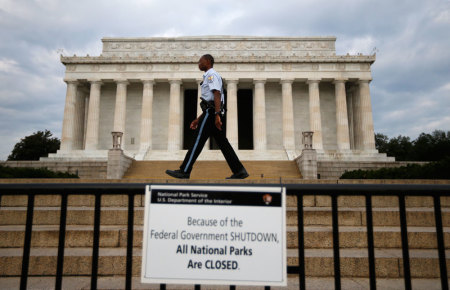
174 116
120 109
368 135
79 126
259 119
232 114
67 136
199 109
315 122
146 115
342 132
288 114
93 115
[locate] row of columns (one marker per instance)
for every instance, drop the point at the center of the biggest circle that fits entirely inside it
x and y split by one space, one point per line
363 132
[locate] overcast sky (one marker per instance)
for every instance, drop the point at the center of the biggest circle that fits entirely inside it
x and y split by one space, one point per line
411 76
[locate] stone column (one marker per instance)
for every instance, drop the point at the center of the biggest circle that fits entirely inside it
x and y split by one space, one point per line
357 120
315 122
67 136
199 109
79 125
232 114
367 133
120 110
342 132
174 116
259 119
288 114
93 115
146 115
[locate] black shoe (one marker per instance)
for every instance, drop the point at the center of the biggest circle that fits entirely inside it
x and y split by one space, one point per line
242 174
178 174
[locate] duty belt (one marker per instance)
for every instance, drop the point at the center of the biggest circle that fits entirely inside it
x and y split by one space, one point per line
205 105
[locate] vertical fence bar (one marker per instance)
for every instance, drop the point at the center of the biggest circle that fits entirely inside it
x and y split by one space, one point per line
61 243
95 246
370 243
130 241
266 287
27 242
162 286
405 247
301 243
232 287
440 241
337 263
197 287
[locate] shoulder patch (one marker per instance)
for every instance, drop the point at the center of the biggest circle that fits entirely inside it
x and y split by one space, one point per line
210 79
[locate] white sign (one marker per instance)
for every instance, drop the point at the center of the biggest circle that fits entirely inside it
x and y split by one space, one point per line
218 235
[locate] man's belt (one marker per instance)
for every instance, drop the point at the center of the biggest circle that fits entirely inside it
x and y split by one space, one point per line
205 105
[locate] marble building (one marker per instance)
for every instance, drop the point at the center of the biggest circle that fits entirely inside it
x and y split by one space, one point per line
276 88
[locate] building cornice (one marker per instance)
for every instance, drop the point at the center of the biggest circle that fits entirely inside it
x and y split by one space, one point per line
226 59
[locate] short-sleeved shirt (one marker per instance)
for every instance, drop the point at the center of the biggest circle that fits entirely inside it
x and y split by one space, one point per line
211 81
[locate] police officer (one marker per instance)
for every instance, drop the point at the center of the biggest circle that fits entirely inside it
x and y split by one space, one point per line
209 123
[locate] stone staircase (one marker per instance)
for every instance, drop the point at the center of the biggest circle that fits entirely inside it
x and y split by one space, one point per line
317 236
214 169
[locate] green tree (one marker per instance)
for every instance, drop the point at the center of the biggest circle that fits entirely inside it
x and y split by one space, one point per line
381 142
37 145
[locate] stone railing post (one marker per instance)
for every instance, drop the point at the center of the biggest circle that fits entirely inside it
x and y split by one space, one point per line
118 162
307 161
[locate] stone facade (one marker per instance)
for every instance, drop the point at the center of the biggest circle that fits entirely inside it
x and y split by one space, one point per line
140 86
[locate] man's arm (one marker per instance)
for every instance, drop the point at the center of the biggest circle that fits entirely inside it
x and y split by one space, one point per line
217 103
194 124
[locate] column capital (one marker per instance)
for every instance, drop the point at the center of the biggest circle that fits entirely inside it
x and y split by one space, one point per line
340 80
286 81
122 81
71 81
175 81
95 81
313 81
259 81
364 81
148 81
232 81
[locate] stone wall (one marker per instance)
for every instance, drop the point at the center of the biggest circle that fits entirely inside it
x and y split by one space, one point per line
334 169
84 169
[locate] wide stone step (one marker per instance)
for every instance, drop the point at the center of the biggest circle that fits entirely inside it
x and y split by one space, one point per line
314 237
318 262
291 201
217 169
314 283
312 216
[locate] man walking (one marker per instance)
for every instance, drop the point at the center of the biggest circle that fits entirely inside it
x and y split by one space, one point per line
209 123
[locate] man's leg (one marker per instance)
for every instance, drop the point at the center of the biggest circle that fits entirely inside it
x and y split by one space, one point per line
201 135
228 151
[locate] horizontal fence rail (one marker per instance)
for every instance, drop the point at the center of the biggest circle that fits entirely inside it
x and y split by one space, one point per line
436 191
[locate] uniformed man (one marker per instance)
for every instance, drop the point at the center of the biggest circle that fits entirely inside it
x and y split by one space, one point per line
209 123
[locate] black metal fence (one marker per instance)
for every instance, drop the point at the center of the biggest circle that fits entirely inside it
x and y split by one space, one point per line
299 190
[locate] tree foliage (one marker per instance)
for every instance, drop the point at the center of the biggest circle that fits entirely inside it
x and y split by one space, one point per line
426 147
433 170
26 172
35 146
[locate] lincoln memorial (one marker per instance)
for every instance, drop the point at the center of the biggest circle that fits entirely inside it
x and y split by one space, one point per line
275 87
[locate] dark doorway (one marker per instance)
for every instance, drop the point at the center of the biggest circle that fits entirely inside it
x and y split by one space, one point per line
245 119
190 113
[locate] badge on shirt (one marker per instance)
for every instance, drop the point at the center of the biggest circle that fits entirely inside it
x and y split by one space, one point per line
210 79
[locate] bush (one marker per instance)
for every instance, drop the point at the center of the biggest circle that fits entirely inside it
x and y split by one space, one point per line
432 170
26 172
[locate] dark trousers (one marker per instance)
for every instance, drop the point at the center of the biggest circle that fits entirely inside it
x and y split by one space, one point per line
207 128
